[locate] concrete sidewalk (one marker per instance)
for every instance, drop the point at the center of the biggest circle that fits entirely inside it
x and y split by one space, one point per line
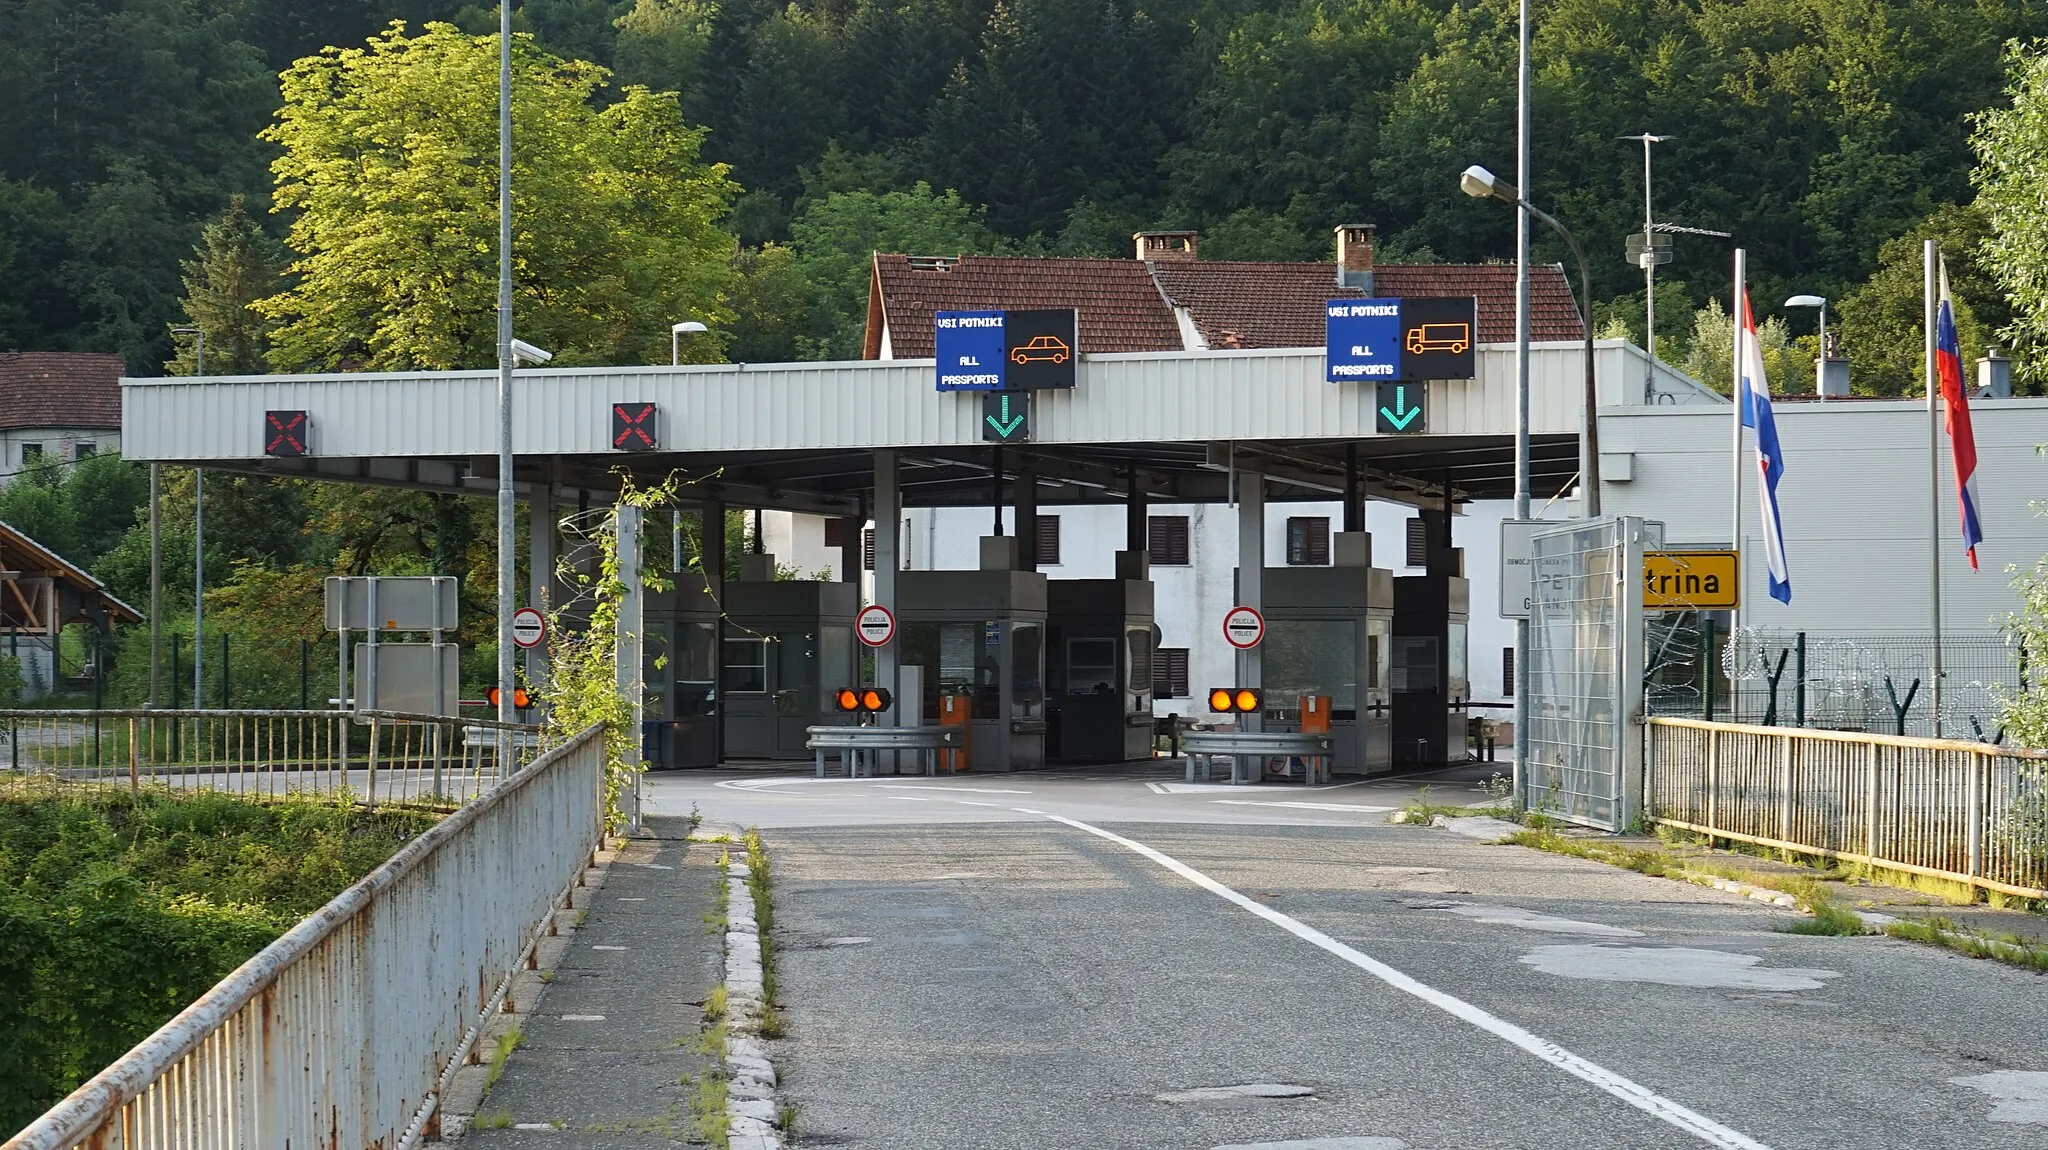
611 1052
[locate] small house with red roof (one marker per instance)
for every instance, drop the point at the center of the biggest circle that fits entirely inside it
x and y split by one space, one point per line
57 407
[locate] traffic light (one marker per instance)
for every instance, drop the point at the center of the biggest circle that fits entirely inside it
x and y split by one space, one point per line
520 698
862 700
1237 700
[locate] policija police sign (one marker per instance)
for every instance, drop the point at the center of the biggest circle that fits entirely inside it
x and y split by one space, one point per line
1396 344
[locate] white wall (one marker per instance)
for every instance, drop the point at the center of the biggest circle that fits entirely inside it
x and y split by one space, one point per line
798 540
1855 504
1190 601
59 444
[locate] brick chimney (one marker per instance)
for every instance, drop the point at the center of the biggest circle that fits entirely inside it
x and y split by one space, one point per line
1168 245
1354 256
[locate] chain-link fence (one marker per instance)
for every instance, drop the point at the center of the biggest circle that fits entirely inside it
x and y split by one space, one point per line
1880 683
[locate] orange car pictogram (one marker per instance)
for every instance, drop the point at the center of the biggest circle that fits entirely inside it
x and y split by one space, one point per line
1452 337
1042 347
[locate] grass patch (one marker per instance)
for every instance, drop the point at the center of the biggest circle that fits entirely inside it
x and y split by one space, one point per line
507 1043
785 1118
769 1023
1828 917
707 1109
761 883
118 908
499 1119
2004 948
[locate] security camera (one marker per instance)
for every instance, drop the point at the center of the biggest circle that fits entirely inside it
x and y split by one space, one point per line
522 350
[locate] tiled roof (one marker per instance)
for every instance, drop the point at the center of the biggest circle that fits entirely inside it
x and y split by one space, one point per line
1127 305
21 554
1281 305
60 389
1119 306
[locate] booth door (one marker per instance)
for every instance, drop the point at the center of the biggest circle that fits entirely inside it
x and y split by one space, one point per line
806 671
750 721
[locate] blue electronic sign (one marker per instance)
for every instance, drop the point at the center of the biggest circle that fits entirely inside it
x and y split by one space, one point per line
970 350
1387 340
1362 340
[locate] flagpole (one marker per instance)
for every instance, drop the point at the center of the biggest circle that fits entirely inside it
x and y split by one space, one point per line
1735 454
1928 259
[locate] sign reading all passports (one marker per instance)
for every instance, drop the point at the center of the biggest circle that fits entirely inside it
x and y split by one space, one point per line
1005 350
1394 340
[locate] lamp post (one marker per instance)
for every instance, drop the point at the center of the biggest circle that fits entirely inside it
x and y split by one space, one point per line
1479 183
1649 255
676 332
198 553
1821 362
507 537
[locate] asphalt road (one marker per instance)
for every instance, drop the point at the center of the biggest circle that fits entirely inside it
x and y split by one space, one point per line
1075 960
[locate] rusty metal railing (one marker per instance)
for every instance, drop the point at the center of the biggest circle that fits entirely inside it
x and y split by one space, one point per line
345 1031
1971 813
372 756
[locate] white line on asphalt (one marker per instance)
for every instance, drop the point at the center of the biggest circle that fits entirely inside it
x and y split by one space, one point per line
972 803
1240 788
1304 806
1641 1097
925 787
1159 788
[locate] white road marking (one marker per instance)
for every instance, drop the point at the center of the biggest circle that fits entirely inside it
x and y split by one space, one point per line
1304 806
632 900
972 803
909 799
1531 920
607 948
1635 1094
1324 1144
1228 788
652 866
1672 966
583 1018
2022 1094
928 786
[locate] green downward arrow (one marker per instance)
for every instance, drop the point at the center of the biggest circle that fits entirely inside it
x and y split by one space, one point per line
1402 415
1008 425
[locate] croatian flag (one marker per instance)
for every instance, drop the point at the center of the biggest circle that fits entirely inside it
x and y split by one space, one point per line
1948 365
1756 412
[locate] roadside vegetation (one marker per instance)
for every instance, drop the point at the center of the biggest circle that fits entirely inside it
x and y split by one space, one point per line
117 910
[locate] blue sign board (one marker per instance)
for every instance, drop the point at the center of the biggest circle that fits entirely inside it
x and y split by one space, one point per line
1386 340
970 350
1363 340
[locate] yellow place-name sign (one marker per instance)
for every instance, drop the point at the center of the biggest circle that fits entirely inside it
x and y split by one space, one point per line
1689 581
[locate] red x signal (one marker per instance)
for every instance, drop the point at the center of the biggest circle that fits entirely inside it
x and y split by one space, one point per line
284 433
633 427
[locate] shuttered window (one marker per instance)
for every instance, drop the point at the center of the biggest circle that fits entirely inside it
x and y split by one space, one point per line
1308 541
1170 672
1167 545
1418 542
867 549
1048 554
1507 671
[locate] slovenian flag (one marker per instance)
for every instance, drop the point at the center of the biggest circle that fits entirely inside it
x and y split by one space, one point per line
1962 441
1756 412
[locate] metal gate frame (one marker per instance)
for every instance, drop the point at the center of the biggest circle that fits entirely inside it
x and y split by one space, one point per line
1586 647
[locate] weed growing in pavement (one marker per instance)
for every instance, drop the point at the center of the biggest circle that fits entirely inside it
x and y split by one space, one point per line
785 1118
707 1107
714 919
696 818
1827 917
507 1043
714 1006
499 1119
2006 948
762 884
769 1023
547 976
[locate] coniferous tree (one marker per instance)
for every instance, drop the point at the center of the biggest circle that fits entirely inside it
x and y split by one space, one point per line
235 265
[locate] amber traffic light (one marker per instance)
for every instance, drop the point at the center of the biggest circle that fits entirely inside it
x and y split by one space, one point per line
1240 700
864 700
520 698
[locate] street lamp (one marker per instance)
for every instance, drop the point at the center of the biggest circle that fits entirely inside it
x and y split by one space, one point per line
1481 184
676 332
198 551
1821 303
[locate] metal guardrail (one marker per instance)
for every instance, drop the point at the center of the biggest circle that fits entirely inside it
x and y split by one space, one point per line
1971 813
345 1031
1243 746
854 743
378 756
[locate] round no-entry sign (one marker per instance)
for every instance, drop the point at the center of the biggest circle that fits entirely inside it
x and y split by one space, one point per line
874 625
1244 627
529 627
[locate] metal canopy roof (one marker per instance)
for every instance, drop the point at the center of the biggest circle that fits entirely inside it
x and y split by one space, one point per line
801 436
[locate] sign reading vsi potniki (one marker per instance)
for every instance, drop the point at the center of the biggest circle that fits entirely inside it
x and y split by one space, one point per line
1389 340
1005 350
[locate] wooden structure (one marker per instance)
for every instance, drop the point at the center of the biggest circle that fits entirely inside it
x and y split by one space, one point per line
40 593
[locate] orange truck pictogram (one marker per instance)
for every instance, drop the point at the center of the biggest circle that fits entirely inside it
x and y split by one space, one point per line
1452 337
1042 347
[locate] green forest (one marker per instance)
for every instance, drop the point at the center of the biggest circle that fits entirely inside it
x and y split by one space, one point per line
1817 131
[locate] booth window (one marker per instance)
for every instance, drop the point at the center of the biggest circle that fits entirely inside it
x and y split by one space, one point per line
1507 671
1308 541
1167 544
746 666
1048 554
1170 671
1418 542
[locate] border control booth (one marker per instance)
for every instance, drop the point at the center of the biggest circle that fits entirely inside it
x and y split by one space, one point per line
980 636
787 646
680 669
1099 643
1328 632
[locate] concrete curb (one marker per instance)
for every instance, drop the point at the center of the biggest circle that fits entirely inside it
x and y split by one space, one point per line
751 1108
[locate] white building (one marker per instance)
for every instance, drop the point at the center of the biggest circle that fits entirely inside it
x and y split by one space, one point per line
57 407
